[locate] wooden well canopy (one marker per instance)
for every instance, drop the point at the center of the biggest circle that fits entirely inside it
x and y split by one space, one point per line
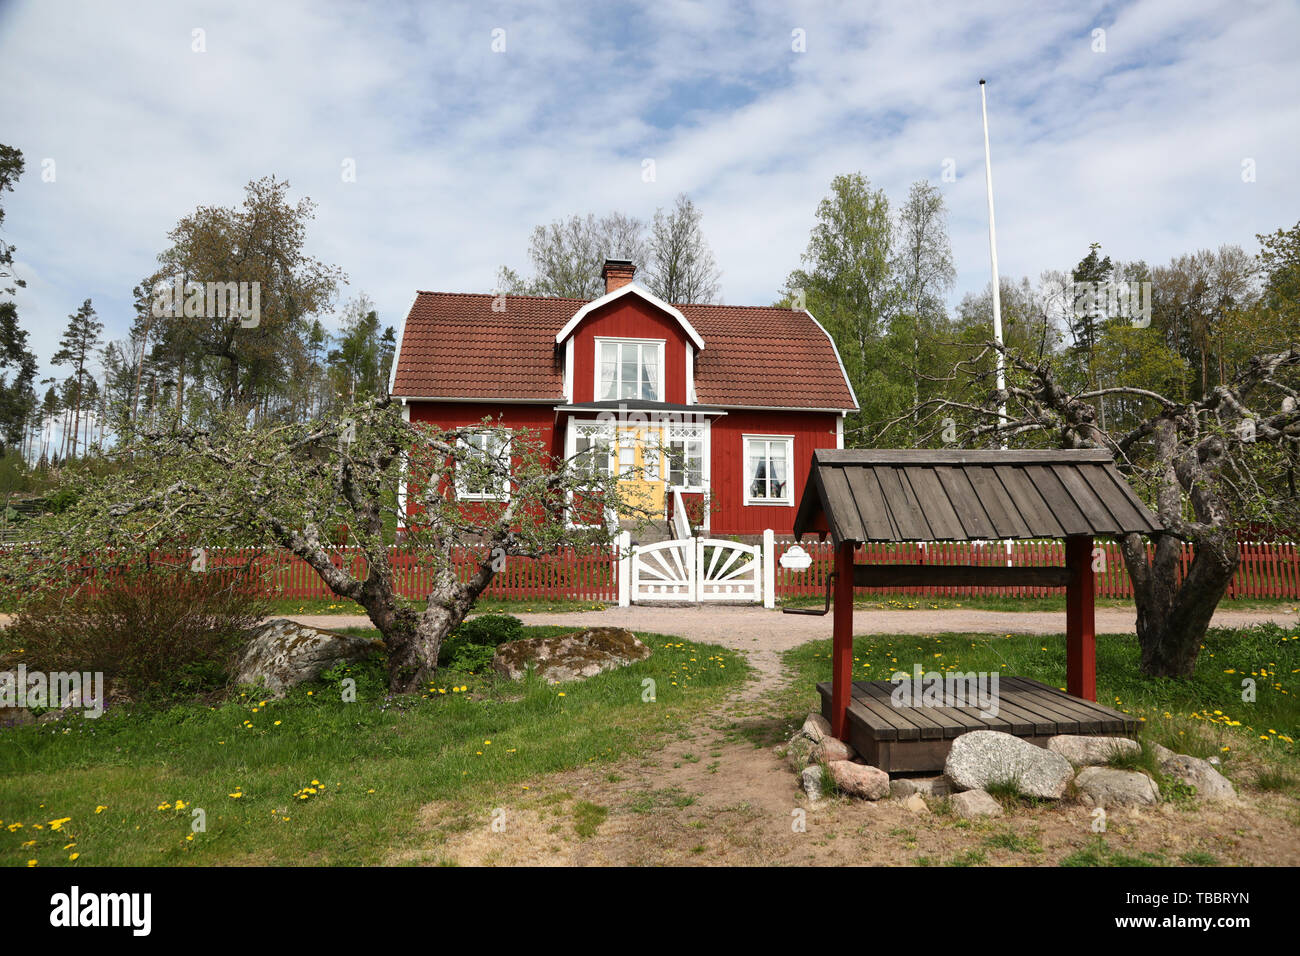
923 495
899 495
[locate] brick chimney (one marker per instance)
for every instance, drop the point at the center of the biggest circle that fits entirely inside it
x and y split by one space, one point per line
617 273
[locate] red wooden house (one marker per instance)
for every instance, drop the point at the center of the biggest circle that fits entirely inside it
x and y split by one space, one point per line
737 397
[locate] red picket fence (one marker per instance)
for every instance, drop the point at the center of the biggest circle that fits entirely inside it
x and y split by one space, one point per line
565 574
1267 569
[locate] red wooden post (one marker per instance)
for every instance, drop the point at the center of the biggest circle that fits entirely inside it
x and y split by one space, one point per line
842 648
1080 624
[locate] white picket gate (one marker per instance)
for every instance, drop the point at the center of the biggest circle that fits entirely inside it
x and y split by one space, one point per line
696 570
664 571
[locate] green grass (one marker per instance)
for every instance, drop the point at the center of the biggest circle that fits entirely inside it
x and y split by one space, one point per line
587 817
1276 780
1013 842
1101 853
1203 715
375 763
1006 792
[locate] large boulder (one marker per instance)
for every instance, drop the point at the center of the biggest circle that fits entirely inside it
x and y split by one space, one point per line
1195 772
1084 751
859 780
1108 787
282 654
573 656
983 758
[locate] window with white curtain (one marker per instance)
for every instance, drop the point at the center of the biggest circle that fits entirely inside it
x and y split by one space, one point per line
629 369
767 470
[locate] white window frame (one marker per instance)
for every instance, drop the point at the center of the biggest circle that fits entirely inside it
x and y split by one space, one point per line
788 500
660 344
607 432
504 493
610 434
688 433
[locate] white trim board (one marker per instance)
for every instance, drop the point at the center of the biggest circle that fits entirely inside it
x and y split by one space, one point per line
630 288
856 404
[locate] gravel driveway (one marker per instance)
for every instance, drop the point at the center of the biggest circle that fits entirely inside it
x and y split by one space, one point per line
758 629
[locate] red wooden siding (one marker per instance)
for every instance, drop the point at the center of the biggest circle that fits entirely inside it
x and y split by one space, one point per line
730 515
539 420
629 317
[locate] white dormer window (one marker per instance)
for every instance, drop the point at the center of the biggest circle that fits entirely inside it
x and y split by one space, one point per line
629 369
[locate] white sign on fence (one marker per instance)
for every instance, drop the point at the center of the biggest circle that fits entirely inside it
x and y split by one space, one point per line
796 559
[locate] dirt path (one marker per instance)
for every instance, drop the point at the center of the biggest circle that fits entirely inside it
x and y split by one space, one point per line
757 629
719 792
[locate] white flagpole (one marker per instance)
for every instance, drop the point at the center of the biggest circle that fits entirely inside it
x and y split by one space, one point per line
997 290
993 258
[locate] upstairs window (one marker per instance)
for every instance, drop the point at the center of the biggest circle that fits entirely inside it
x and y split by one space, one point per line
484 472
767 470
629 369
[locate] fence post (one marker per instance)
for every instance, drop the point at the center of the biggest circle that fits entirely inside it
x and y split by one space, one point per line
769 568
695 569
624 568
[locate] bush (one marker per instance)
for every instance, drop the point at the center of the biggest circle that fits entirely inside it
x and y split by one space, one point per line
370 677
468 642
158 634
473 658
62 499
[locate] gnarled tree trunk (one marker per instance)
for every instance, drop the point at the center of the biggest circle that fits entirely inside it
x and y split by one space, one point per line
414 639
1171 618
1173 615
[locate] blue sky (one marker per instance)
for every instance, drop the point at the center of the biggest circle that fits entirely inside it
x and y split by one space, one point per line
460 151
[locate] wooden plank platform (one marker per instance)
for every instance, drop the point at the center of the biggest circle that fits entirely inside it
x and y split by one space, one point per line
917 738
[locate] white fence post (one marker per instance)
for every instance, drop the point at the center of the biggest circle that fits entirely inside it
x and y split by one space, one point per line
694 554
624 569
769 568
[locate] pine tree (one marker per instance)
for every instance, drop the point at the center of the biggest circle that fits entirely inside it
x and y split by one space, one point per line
17 397
77 348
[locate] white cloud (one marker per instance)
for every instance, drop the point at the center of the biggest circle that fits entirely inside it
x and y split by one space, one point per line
460 151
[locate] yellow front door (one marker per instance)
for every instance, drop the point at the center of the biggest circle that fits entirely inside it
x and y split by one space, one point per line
640 471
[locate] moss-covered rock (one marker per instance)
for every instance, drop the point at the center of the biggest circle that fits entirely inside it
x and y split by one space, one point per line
570 656
283 653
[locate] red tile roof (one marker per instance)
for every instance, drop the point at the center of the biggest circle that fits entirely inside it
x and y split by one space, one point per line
455 346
